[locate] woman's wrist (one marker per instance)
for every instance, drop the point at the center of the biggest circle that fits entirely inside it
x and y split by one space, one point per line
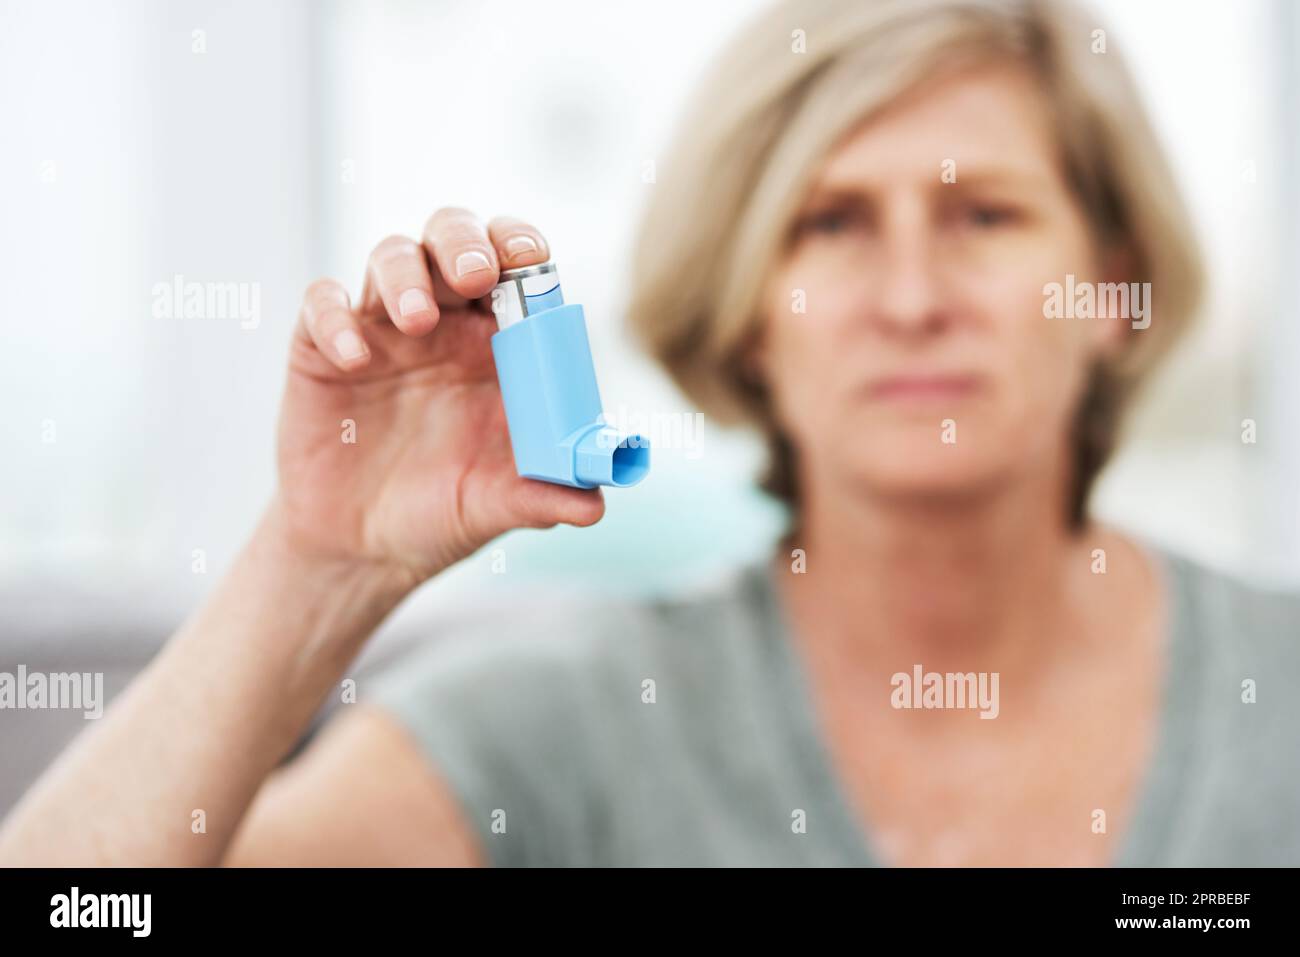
291 618
338 599
276 539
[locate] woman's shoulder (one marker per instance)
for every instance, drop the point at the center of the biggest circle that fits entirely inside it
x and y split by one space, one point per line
1229 760
1236 632
1232 608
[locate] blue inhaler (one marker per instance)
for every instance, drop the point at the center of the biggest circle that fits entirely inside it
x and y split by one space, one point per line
548 384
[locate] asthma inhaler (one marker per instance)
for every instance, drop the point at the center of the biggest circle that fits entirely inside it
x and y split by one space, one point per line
548 384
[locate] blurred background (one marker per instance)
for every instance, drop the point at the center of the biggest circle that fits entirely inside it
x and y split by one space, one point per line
271 143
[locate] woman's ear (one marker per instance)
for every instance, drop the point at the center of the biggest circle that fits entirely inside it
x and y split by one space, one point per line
753 357
1117 307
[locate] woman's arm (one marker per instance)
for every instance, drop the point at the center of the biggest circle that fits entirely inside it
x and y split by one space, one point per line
209 718
394 463
361 794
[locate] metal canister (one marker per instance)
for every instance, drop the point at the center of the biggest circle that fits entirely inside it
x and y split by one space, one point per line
524 292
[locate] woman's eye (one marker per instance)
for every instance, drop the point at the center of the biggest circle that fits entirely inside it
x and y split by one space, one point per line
987 217
828 222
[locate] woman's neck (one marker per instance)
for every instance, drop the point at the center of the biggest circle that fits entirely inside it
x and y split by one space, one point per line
998 577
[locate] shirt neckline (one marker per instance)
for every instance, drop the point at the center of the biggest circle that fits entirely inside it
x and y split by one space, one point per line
1146 840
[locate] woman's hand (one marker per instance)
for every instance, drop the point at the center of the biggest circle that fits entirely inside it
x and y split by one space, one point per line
393 447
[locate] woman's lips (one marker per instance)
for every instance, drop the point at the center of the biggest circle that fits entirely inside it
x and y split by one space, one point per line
913 387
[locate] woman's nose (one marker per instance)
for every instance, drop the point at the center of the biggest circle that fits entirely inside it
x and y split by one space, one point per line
908 298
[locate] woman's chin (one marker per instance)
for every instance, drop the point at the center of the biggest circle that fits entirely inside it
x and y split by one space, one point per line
916 474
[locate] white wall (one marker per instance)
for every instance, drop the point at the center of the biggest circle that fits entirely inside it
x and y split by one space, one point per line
128 158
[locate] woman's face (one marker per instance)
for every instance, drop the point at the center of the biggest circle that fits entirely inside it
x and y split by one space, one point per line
904 340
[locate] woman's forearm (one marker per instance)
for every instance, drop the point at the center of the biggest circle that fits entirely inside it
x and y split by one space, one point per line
203 725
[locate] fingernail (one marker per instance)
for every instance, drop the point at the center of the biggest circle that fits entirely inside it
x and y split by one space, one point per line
469 262
517 246
413 301
349 345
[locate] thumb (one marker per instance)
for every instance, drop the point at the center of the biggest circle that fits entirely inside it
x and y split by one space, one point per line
541 504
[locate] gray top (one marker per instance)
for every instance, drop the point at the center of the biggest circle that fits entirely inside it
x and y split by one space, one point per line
541 727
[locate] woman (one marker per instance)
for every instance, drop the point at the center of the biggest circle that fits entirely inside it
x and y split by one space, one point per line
850 250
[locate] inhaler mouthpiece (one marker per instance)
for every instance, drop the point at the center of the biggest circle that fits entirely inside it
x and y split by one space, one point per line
548 384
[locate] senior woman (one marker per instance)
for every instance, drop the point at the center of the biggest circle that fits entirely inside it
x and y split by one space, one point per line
849 249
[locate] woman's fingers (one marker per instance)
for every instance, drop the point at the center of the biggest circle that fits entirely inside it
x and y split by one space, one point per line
460 260
328 320
462 251
517 243
398 284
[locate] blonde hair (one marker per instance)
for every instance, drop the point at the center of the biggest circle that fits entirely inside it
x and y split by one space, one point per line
767 114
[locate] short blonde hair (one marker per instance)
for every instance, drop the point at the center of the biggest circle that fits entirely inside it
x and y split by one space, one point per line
767 114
